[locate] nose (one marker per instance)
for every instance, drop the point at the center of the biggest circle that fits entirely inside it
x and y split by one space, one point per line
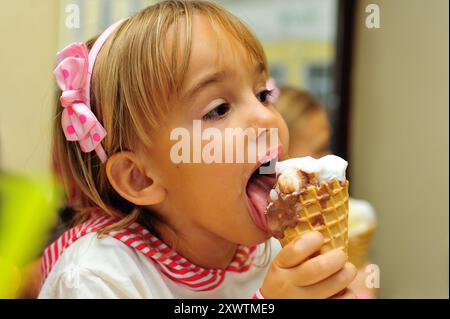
262 119
259 115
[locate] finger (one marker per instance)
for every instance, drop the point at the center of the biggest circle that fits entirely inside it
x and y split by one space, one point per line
334 284
319 268
346 294
299 249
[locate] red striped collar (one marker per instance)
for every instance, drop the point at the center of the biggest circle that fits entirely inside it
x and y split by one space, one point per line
170 263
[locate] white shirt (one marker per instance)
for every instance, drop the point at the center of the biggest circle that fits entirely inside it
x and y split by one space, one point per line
93 267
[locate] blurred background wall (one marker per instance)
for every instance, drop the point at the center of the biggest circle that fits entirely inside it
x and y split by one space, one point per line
399 142
27 55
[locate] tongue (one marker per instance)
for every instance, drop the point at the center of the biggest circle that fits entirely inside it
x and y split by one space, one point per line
258 191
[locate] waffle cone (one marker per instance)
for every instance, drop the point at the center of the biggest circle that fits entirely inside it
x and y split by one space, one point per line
358 247
329 215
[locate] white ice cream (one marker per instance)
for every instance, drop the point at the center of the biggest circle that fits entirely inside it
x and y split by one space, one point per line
361 217
326 168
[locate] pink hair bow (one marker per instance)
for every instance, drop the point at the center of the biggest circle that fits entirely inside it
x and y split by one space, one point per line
271 85
77 120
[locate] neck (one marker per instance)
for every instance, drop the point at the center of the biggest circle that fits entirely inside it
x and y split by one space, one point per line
203 249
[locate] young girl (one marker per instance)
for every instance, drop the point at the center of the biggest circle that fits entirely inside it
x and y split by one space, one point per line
147 227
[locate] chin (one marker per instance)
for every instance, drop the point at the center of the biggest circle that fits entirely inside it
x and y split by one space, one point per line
251 235
258 239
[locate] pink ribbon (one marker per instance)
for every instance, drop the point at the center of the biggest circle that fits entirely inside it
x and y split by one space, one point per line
271 85
77 120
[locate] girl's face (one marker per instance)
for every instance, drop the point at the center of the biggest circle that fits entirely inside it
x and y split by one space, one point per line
313 138
222 89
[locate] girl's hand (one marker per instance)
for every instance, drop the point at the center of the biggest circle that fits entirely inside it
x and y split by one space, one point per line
345 294
359 287
293 274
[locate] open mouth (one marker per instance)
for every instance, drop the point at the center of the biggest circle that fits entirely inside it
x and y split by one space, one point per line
258 187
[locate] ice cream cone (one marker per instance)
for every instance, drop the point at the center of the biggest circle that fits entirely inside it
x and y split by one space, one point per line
323 209
358 247
362 225
310 195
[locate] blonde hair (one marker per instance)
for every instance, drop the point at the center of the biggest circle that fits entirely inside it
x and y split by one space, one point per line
135 79
295 106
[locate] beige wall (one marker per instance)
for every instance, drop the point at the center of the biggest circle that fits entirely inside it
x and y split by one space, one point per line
399 142
28 31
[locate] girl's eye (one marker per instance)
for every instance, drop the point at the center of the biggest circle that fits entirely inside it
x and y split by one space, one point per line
262 96
217 112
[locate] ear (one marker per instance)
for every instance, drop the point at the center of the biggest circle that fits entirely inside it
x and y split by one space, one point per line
131 180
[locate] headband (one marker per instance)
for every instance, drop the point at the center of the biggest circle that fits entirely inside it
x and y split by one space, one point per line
73 76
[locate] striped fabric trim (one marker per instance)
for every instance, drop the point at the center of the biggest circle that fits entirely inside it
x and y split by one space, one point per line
258 295
170 263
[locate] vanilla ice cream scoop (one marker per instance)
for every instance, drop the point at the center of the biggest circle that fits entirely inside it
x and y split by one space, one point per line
361 217
323 169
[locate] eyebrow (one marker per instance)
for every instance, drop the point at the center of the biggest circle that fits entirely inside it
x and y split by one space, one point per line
215 78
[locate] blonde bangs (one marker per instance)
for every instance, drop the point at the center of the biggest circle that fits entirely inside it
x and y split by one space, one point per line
226 24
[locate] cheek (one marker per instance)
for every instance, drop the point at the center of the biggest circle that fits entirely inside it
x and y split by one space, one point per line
206 188
222 181
283 134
